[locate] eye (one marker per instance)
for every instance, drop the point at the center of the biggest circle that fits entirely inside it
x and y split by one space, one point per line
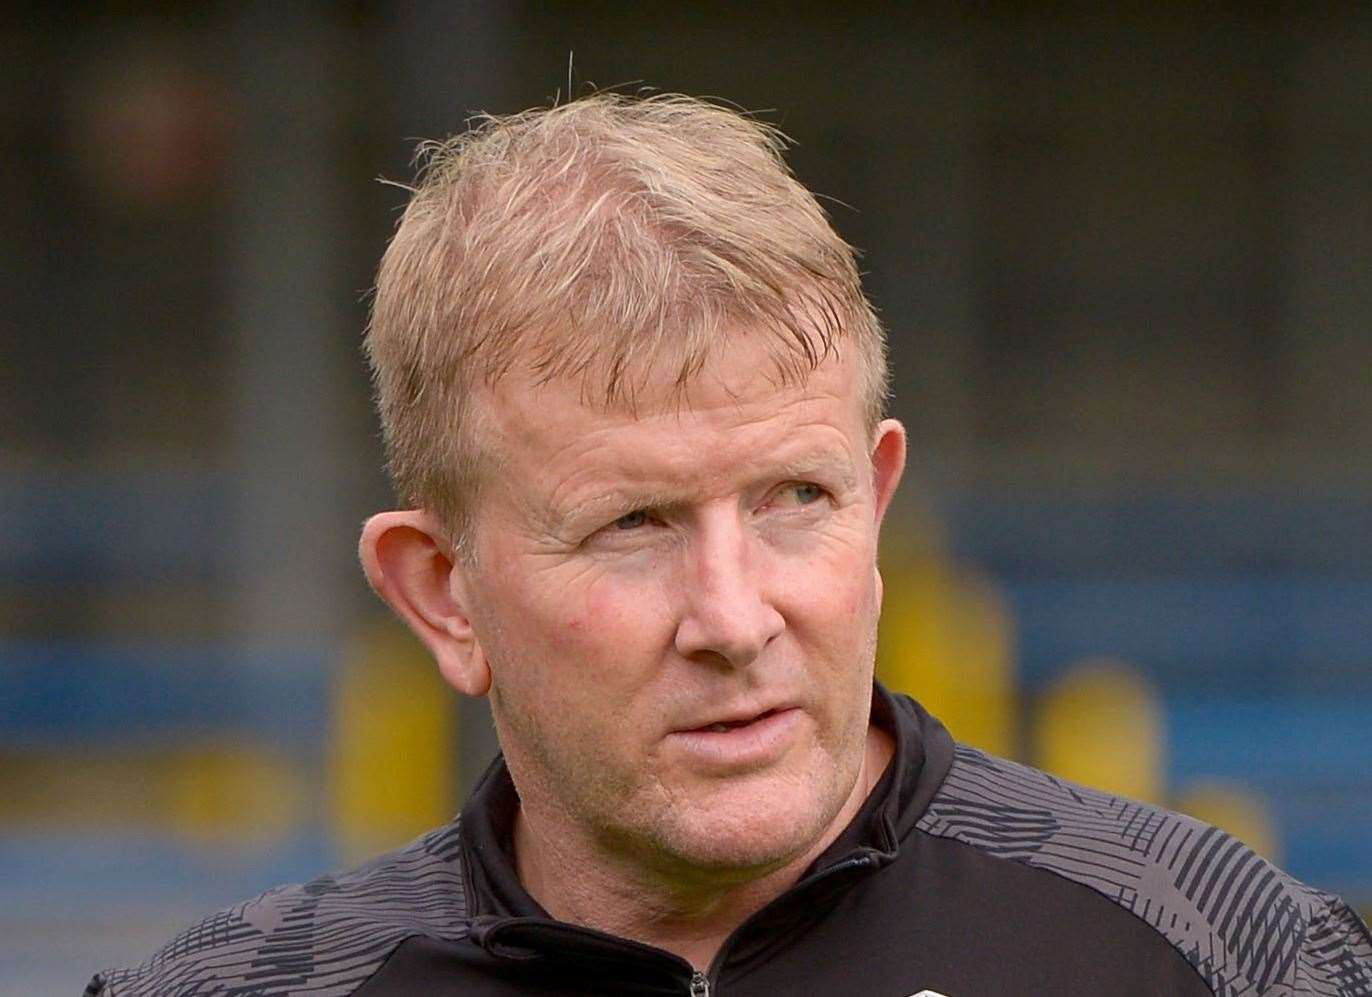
632 520
795 496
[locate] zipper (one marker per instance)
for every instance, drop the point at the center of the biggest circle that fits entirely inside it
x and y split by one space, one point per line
865 859
487 928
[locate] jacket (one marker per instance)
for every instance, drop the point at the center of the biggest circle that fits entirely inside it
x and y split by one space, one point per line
963 874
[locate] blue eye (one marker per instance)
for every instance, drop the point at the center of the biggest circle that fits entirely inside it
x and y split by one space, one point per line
807 493
631 521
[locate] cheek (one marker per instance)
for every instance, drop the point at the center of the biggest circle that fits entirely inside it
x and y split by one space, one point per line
626 623
589 634
838 587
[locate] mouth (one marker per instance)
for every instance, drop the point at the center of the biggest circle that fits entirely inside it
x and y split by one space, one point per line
733 744
724 726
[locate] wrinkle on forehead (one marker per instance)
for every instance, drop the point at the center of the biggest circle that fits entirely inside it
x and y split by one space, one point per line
658 384
726 441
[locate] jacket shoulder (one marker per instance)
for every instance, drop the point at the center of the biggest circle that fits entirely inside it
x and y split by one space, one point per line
1246 926
328 935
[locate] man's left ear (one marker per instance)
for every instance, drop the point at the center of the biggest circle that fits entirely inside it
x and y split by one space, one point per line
888 463
407 560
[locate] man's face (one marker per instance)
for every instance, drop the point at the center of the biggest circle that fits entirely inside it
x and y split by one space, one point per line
679 609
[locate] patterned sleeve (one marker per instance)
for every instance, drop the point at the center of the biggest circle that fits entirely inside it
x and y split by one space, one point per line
323 938
1336 953
1248 928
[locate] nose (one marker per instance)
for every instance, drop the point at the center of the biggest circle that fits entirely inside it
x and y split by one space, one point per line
728 617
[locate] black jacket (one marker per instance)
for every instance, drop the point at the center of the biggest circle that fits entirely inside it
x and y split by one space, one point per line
962 875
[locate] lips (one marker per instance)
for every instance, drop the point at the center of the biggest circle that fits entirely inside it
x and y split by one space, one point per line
726 723
733 744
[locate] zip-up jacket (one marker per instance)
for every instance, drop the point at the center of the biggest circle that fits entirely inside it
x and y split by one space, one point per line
962 875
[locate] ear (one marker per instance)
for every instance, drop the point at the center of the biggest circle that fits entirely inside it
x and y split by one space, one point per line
408 562
888 463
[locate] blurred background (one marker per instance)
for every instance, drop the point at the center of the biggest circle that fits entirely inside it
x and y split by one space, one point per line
1124 263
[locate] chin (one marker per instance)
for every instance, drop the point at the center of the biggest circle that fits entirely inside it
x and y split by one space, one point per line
751 830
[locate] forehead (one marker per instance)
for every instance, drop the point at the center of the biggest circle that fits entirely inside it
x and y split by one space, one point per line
737 409
741 372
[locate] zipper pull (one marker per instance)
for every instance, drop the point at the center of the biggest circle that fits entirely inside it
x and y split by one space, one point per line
700 985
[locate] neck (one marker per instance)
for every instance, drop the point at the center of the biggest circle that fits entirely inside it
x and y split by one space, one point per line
577 882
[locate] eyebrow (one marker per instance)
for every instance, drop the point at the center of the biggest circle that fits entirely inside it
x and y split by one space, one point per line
810 465
804 466
619 501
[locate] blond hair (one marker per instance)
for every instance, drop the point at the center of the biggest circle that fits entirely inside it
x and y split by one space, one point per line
600 240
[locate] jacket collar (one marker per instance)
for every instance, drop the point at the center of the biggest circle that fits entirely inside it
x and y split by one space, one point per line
495 897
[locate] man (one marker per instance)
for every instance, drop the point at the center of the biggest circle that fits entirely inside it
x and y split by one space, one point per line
632 395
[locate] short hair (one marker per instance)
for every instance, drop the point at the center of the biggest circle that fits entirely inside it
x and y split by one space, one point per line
599 239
